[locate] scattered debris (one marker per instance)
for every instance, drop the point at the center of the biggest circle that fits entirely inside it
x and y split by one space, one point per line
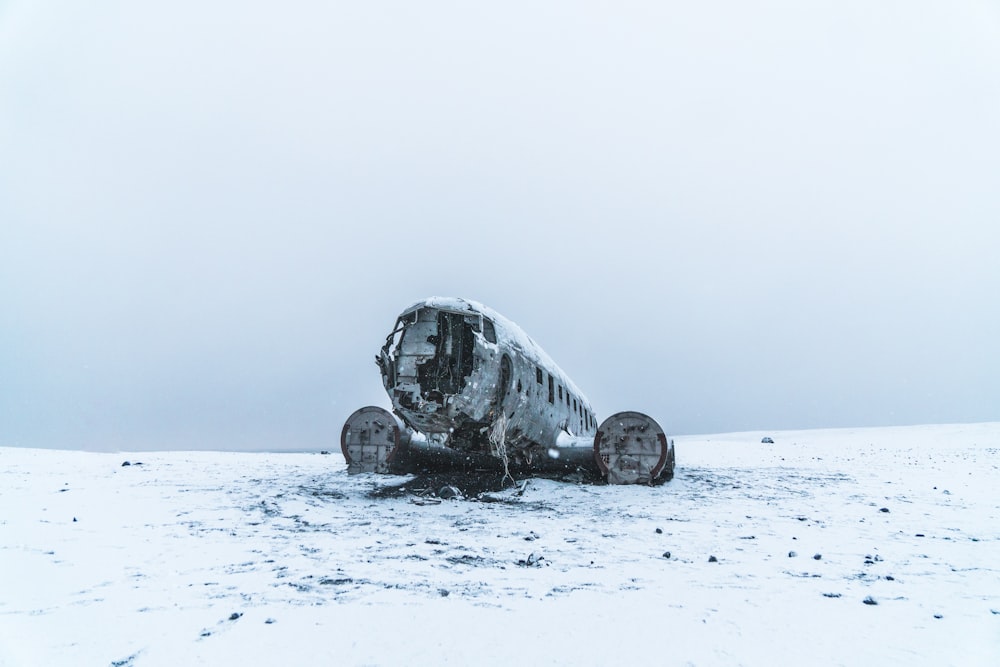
532 560
766 440
125 463
444 592
870 600
659 531
713 559
235 615
938 616
429 488
339 581
884 510
270 621
831 595
817 556
325 453
666 554
792 554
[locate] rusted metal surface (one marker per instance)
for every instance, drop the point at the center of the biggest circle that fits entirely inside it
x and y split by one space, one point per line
472 390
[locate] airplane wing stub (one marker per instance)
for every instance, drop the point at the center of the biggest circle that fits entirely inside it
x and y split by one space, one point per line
631 448
370 440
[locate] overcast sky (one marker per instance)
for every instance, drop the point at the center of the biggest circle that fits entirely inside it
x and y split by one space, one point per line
730 215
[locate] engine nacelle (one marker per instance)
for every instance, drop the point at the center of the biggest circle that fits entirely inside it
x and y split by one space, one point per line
371 440
631 448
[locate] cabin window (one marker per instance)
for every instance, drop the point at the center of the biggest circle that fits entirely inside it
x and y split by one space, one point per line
560 393
538 375
489 333
519 385
552 391
575 411
567 398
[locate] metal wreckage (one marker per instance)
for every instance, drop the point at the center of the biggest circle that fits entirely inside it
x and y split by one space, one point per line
472 392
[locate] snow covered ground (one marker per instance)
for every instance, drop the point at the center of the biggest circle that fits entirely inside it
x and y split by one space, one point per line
754 554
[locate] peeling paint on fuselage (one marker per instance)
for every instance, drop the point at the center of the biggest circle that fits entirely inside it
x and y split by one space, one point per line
452 366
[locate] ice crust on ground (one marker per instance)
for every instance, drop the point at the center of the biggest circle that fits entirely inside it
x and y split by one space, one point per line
225 558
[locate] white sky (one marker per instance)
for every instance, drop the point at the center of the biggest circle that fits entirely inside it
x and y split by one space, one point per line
730 215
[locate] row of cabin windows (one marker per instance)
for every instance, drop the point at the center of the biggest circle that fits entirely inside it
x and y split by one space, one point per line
489 332
570 402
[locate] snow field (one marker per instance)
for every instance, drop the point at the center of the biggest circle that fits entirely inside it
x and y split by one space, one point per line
217 558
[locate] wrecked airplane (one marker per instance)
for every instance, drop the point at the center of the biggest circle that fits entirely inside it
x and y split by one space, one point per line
471 391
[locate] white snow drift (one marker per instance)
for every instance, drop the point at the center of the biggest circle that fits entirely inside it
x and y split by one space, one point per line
868 546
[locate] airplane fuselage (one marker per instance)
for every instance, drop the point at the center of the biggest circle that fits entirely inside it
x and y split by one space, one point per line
468 387
456 370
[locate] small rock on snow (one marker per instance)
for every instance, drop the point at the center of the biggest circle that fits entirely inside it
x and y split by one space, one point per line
533 560
817 556
235 615
713 559
870 600
792 554
666 554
